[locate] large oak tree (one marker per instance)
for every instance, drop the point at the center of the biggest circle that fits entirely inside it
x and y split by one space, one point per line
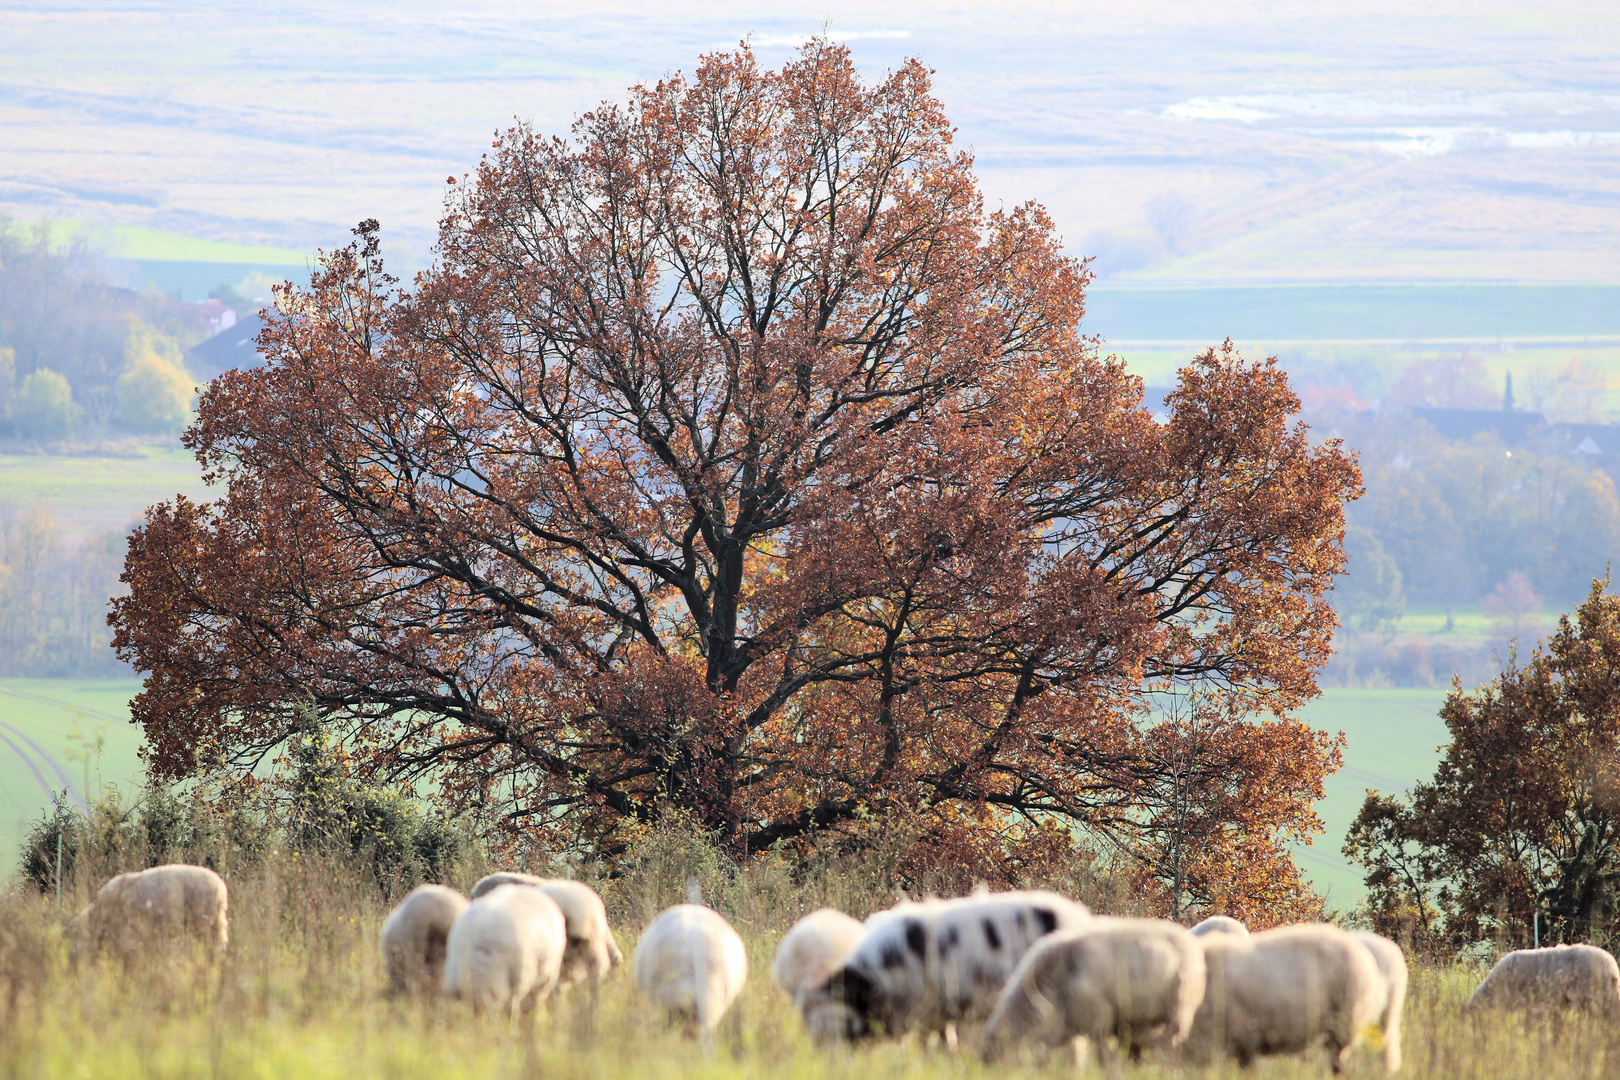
733 458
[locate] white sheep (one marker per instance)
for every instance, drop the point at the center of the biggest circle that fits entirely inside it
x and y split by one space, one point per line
812 950
506 950
164 905
692 965
1285 991
1139 981
592 952
504 877
1220 924
1582 977
1391 964
931 965
415 936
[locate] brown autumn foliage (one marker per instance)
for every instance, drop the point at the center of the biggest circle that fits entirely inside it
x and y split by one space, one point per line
1521 822
735 459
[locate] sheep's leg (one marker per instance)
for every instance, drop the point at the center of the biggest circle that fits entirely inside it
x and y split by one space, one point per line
950 1036
1338 1053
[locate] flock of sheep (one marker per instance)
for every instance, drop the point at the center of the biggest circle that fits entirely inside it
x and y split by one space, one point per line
1034 970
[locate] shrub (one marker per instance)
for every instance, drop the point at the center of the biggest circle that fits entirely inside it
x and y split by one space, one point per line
163 825
43 407
387 832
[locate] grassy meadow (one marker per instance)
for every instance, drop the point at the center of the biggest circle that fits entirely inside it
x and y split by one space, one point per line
93 493
301 993
1393 738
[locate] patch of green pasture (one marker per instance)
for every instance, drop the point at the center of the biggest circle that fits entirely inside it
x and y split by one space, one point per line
156 245
1471 625
59 733
1392 740
90 494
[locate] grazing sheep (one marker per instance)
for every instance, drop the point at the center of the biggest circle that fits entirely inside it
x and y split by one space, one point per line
165 905
1220 924
414 937
1285 991
506 950
504 877
692 965
592 952
1391 964
1582 977
816 946
1139 981
930 965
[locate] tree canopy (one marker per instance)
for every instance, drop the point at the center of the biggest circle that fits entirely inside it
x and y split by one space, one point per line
735 459
1522 819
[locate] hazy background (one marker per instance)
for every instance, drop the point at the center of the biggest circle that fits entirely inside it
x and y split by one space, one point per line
1176 141
1409 207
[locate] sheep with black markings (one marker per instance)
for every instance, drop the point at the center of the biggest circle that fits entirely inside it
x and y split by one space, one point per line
692 965
415 936
1220 924
1137 981
1391 964
1286 991
810 952
592 951
1580 977
160 908
929 966
506 950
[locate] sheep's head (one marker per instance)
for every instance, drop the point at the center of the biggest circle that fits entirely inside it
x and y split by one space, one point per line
845 1008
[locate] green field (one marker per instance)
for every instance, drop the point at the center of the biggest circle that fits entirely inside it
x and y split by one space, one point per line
1393 737
1392 740
60 730
96 493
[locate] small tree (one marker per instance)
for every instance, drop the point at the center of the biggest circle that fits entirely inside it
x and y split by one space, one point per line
1522 818
1371 596
155 391
43 406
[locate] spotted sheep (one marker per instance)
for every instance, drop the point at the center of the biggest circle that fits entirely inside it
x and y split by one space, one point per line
931 965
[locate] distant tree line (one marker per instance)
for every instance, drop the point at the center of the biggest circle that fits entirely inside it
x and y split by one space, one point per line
53 599
80 358
1447 523
1459 518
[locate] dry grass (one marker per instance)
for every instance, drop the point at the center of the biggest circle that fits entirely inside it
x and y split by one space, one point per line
300 993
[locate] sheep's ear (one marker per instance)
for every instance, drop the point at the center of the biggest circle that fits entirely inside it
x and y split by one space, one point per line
981 888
